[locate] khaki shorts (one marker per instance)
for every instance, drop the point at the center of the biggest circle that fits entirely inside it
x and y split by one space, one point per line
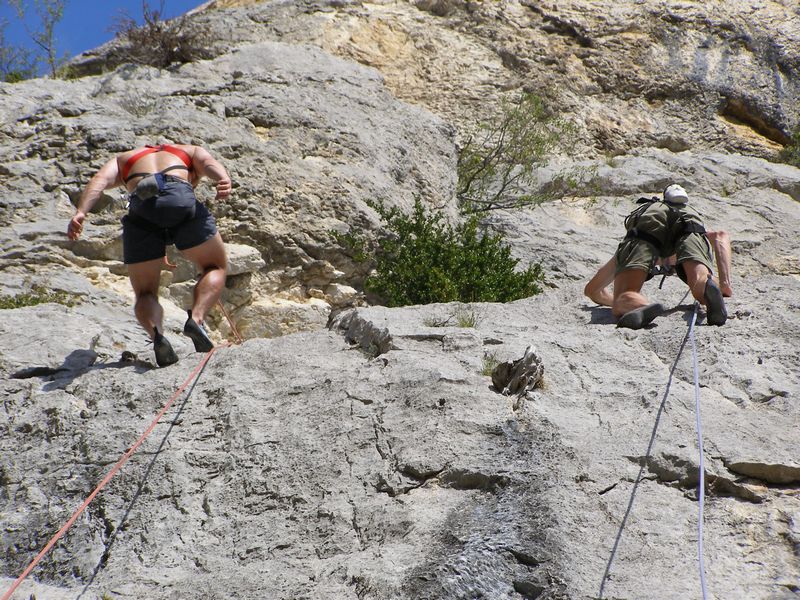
693 246
635 254
638 254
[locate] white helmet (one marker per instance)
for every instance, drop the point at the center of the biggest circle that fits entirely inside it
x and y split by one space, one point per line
675 194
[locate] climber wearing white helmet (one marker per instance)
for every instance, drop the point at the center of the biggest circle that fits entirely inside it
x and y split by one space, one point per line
656 230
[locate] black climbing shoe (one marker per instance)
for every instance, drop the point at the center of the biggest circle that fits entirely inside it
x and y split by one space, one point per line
638 318
198 333
165 355
715 305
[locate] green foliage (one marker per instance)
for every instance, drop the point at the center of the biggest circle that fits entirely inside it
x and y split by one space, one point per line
490 362
466 318
424 259
50 13
15 75
160 43
16 64
68 72
496 166
37 295
355 245
791 153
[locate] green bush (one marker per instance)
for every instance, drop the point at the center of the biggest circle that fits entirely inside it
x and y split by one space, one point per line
37 295
791 153
424 259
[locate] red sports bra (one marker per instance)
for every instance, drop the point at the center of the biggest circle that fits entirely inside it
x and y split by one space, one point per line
126 168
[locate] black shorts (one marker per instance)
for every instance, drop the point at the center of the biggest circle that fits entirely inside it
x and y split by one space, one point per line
143 240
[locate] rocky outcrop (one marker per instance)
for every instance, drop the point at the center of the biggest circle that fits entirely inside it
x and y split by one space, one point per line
646 74
375 459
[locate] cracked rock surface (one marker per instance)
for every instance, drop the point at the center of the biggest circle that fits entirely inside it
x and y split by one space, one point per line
373 459
376 460
675 75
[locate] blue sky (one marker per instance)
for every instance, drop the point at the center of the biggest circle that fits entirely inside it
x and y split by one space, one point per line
86 23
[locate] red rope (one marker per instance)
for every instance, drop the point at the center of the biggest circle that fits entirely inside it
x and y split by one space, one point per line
107 478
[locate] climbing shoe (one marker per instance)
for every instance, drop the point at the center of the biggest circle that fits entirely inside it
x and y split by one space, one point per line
198 333
165 355
715 305
638 318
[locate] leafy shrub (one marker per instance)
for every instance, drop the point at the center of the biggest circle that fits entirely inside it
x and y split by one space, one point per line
68 72
16 63
791 153
160 43
15 76
424 259
496 165
37 295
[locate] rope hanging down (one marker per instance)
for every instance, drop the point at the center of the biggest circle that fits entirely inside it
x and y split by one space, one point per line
108 477
701 485
701 491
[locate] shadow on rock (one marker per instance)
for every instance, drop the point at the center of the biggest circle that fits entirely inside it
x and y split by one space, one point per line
77 363
601 315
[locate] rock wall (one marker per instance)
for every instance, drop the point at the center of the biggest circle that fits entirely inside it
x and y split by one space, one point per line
676 75
308 139
374 459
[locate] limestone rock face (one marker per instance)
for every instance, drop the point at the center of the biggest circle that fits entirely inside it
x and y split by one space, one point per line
308 139
374 459
674 75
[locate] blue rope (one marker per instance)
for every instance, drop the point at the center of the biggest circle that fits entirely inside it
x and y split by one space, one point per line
702 483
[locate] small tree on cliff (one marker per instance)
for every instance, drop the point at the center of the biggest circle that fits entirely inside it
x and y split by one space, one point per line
50 13
497 163
160 43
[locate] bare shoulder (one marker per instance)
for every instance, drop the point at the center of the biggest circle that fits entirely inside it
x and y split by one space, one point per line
190 149
200 155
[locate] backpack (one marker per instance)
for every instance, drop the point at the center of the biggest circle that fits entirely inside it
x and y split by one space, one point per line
679 223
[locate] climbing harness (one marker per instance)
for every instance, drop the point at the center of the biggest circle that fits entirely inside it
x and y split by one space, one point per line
109 475
676 216
663 270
